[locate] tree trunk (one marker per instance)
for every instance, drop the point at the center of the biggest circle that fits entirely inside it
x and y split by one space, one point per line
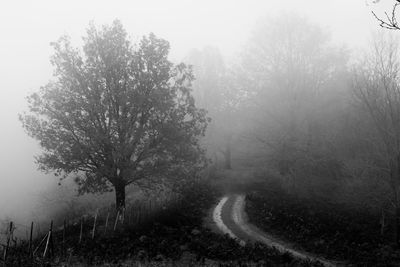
227 152
394 176
227 156
119 196
397 231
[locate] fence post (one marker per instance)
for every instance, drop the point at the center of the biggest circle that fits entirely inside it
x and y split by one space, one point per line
49 241
105 227
123 215
63 238
138 214
94 225
8 242
40 244
116 220
80 233
30 241
15 240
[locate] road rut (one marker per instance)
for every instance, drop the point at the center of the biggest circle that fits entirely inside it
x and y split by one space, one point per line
230 217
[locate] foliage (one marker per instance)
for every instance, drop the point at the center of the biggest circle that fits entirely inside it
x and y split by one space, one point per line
215 90
172 235
296 101
117 114
337 231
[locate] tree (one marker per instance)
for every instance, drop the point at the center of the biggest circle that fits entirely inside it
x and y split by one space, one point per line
377 88
288 67
214 90
116 114
390 20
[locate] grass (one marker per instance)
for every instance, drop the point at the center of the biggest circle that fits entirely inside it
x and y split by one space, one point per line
336 231
174 236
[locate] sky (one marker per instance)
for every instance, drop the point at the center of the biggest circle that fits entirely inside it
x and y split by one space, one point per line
28 27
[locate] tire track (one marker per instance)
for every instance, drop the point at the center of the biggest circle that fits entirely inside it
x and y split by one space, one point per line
230 217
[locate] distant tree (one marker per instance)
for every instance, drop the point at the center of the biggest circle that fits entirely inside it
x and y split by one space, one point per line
288 67
214 90
118 114
377 89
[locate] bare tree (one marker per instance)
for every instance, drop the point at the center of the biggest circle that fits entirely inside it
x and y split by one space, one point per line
389 20
377 88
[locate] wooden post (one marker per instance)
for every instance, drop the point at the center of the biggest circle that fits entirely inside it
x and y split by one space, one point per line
63 238
116 220
139 211
150 206
8 242
15 240
123 215
94 225
40 244
139 214
80 233
49 241
105 227
30 241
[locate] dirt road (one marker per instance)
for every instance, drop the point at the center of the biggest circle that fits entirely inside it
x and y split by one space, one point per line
230 217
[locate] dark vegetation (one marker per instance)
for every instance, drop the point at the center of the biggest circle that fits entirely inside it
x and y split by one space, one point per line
116 114
337 231
174 234
120 114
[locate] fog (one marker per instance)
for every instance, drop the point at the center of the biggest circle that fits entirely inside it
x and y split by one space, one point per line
28 27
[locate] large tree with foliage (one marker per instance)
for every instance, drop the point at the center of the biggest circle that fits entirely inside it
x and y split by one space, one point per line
116 113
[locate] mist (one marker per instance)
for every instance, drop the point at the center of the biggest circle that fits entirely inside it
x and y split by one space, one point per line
213 36
27 28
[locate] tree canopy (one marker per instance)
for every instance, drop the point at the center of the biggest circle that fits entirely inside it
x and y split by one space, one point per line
116 113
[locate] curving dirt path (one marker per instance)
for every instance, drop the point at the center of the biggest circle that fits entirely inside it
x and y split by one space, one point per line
230 217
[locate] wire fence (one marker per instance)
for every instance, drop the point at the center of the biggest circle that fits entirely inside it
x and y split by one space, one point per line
41 244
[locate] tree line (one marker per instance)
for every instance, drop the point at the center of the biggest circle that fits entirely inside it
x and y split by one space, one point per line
324 120
322 117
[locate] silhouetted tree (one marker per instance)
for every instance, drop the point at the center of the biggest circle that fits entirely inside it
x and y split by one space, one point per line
389 20
117 114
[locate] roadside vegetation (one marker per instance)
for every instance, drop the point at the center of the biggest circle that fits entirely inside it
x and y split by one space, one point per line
176 235
337 231
324 122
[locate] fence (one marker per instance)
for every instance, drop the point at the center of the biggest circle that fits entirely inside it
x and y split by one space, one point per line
39 248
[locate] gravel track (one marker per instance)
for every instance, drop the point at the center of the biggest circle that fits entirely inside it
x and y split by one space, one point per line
230 218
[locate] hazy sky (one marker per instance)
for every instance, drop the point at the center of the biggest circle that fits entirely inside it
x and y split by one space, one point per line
27 28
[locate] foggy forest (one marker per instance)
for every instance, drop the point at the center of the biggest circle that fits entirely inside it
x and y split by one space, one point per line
200 133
